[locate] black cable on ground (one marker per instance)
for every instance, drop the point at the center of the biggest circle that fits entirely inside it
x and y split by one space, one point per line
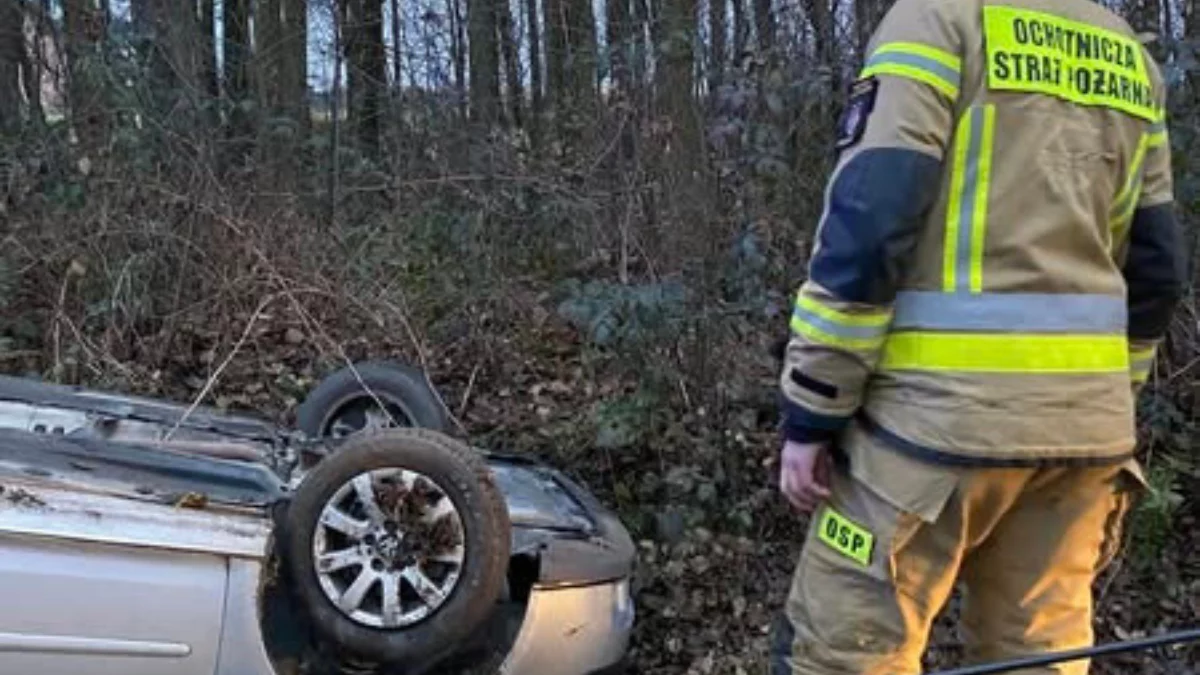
1178 637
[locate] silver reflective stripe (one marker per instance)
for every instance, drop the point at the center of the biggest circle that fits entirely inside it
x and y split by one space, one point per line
966 211
917 61
840 330
1010 312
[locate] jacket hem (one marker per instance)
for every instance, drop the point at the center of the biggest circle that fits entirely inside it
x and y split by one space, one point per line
947 458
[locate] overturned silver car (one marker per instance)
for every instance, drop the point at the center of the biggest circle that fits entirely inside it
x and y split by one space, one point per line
139 537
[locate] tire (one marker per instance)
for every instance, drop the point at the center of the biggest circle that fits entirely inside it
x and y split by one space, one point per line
465 480
399 386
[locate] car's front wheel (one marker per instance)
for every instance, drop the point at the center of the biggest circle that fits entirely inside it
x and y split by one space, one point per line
398 544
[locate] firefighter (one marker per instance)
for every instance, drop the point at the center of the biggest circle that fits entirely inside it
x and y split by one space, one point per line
996 262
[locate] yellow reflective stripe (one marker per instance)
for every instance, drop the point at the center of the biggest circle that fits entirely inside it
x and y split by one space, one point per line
917 49
874 319
1127 198
966 214
817 334
1005 353
912 73
1135 170
983 181
1120 222
1158 134
1141 361
937 68
962 137
1038 52
1136 355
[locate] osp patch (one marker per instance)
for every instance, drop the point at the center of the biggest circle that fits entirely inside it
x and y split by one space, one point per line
846 537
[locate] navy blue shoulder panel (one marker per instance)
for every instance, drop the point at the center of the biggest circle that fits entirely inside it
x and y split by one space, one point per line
877 205
1155 271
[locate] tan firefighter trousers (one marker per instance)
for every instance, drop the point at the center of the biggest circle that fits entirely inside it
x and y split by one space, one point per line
883 554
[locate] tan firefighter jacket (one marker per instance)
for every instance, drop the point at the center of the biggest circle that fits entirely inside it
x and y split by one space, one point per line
997 258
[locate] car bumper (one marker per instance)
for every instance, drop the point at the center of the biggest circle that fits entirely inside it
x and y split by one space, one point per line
573 631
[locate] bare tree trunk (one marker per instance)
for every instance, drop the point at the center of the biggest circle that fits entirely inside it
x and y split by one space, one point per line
656 19
571 65
458 51
366 53
684 157
764 20
716 44
268 57
821 16
281 58
867 14
236 77
641 43
171 41
556 53
85 33
12 55
676 77
31 74
511 56
622 105
741 30
1190 11
49 29
484 60
1168 18
335 145
694 235
619 37
397 46
209 81
375 67
269 82
535 71
294 47
582 74
210 78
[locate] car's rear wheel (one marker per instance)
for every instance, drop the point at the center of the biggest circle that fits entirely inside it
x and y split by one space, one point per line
370 396
398 544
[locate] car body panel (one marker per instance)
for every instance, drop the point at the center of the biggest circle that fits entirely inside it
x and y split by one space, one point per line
568 631
243 650
84 607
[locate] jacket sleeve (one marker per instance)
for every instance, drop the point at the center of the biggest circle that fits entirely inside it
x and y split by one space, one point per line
1155 266
892 138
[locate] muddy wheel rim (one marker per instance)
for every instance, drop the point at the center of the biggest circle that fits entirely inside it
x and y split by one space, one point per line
388 548
363 413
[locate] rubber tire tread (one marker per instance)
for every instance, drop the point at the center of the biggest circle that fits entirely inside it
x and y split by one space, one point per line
406 386
464 476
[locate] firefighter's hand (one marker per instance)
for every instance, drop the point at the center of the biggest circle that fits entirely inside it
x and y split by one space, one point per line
804 474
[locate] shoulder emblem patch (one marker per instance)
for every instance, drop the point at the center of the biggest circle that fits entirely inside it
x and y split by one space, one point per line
858 109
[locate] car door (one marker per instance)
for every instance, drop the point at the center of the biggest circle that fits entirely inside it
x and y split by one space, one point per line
77 601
